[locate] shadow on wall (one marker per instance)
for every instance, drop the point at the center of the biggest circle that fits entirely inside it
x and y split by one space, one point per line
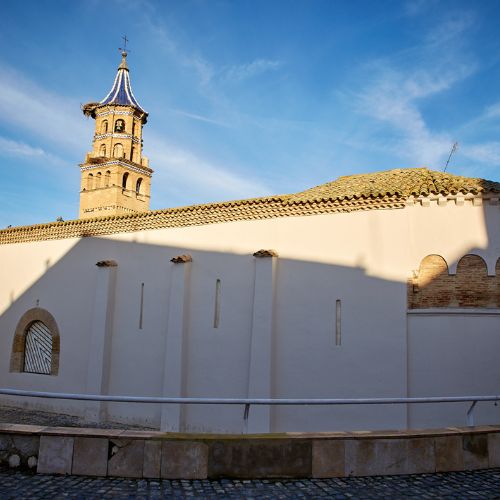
291 329
310 344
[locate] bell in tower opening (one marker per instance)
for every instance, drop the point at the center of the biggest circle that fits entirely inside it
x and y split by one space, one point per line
116 178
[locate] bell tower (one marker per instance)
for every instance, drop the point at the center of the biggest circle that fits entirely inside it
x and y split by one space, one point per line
115 177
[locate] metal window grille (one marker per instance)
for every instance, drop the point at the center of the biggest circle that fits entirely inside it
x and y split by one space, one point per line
38 349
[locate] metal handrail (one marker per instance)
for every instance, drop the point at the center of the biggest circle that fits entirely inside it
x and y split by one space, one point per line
255 401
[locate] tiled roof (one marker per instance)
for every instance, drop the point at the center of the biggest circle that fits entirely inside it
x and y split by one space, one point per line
382 190
400 182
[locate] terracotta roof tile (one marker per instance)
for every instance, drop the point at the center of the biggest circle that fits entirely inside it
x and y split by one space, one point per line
381 190
401 182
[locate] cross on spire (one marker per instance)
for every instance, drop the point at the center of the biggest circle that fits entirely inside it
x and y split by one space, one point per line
125 41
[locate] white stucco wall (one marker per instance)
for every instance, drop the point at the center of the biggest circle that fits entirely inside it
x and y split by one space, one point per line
362 258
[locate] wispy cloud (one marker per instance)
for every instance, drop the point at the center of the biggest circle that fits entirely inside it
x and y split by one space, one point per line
492 111
205 70
45 114
200 118
18 149
488 153
251 70
394 99
179 170
396 92
451 29
416 7
194 61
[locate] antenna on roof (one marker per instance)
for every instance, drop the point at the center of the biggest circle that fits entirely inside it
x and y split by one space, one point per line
124 49
453 149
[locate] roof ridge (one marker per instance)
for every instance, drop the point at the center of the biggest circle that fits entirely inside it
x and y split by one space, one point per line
387 189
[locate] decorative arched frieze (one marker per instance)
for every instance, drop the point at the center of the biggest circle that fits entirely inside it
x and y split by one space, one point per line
472 283
432 286
470 287
30 323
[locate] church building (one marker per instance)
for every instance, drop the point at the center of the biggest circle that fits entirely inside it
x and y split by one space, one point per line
383 284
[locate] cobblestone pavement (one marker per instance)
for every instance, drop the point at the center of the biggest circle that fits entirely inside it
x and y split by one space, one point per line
479 484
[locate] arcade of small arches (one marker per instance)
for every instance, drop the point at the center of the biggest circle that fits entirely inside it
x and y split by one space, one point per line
433 286
119 126
118 151
99 180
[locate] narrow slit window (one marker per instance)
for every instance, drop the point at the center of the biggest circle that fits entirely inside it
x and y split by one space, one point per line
141 312
217 305
338 322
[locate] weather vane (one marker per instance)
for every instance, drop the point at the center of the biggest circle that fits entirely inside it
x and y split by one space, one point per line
124 49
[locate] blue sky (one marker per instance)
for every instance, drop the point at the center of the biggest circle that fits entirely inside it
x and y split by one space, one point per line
247 97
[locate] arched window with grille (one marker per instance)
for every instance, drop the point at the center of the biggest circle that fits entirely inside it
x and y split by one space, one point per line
104 127
124 180
38 349
36 344
138 186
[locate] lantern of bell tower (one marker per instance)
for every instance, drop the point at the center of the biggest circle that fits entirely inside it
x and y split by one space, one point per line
115 177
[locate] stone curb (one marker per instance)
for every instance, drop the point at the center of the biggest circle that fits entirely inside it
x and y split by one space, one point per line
153 454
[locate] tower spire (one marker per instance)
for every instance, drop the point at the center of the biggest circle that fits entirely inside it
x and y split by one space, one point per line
121 91
124 52
123 64
116 177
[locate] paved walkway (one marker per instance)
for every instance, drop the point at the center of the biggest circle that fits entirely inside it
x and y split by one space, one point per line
9 414
479 484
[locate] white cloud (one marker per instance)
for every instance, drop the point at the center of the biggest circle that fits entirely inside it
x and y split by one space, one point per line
393 99
250 70
398 88
492 111
18 149
181 170
202 68
43 113
488 152
200 118
451 29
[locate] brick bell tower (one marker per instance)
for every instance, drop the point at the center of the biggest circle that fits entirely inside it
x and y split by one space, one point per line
116 178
